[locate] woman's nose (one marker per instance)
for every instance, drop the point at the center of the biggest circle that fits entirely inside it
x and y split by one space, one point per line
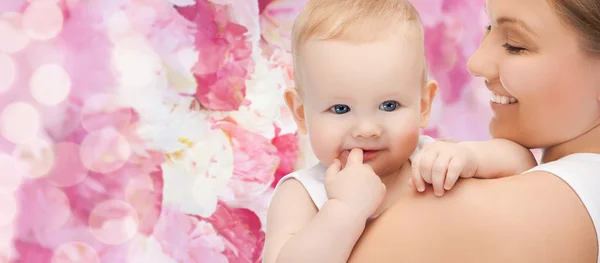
483 62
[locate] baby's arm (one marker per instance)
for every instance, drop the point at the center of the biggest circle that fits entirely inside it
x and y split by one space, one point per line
500 158
442 163
296 232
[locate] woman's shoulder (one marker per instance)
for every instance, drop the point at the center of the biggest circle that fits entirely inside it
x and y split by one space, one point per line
535 217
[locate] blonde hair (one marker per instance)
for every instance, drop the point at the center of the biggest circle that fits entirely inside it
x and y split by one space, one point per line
355 21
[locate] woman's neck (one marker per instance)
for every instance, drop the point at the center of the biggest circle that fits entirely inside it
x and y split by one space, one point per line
588 142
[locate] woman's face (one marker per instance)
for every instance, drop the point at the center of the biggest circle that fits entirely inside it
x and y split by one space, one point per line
530 57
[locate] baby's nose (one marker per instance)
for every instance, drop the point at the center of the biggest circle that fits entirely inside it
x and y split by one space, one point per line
367 129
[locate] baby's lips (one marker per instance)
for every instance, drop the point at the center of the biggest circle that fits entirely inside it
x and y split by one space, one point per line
367 154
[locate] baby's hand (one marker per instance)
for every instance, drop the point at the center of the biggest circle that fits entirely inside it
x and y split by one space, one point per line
357 185
441 164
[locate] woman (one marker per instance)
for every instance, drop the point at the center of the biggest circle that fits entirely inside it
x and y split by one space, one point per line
546 54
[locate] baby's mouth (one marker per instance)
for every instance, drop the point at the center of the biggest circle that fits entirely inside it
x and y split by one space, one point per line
367 154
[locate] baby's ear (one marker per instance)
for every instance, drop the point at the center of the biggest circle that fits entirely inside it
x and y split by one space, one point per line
427 96
296 105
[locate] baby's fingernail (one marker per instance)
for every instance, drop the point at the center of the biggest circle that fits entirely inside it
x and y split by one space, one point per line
421 188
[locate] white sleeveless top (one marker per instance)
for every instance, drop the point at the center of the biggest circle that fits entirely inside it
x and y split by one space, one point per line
313 178
582 172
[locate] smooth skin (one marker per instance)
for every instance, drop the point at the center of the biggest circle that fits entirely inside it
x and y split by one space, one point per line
531 54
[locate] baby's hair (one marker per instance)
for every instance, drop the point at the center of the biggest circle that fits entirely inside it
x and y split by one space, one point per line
356 21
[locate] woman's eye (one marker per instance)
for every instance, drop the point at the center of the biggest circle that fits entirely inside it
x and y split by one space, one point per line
389 105
513 49
340 109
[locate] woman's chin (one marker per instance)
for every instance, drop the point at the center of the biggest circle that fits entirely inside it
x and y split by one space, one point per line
511 133
500 130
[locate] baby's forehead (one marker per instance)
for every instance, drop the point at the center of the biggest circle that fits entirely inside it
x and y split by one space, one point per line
404 38
362 88
363 93
373 66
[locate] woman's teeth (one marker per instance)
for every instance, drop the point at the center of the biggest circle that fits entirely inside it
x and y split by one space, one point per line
502 99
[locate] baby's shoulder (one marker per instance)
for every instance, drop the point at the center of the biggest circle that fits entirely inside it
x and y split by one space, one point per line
425 139
422 141
314 174
308 182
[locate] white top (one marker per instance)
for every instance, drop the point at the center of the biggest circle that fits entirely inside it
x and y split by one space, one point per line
313 178
582 172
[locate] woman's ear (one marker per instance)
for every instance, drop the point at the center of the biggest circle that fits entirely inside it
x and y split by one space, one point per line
428 94
296 105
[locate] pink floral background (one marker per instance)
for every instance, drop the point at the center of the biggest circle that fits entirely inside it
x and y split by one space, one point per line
155 130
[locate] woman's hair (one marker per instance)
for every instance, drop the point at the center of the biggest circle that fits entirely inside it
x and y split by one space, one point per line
584 17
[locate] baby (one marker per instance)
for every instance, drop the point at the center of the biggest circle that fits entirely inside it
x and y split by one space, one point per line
362 96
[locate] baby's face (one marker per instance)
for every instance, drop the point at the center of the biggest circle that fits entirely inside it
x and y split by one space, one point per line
369 96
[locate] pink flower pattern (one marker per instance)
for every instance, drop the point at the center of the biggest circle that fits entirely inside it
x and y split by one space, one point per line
224 61
60 208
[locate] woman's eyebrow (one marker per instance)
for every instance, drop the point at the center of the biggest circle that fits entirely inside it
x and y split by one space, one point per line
517 22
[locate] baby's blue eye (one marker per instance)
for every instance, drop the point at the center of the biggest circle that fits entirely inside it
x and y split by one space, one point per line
340 109
389 105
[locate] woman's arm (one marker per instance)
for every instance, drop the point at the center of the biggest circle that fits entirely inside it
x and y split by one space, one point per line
534 217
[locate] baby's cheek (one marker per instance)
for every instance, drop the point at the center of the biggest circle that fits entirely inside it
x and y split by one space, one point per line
325 145
406 138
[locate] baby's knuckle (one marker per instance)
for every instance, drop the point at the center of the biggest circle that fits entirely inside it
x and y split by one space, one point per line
425 165
457 164
439 168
